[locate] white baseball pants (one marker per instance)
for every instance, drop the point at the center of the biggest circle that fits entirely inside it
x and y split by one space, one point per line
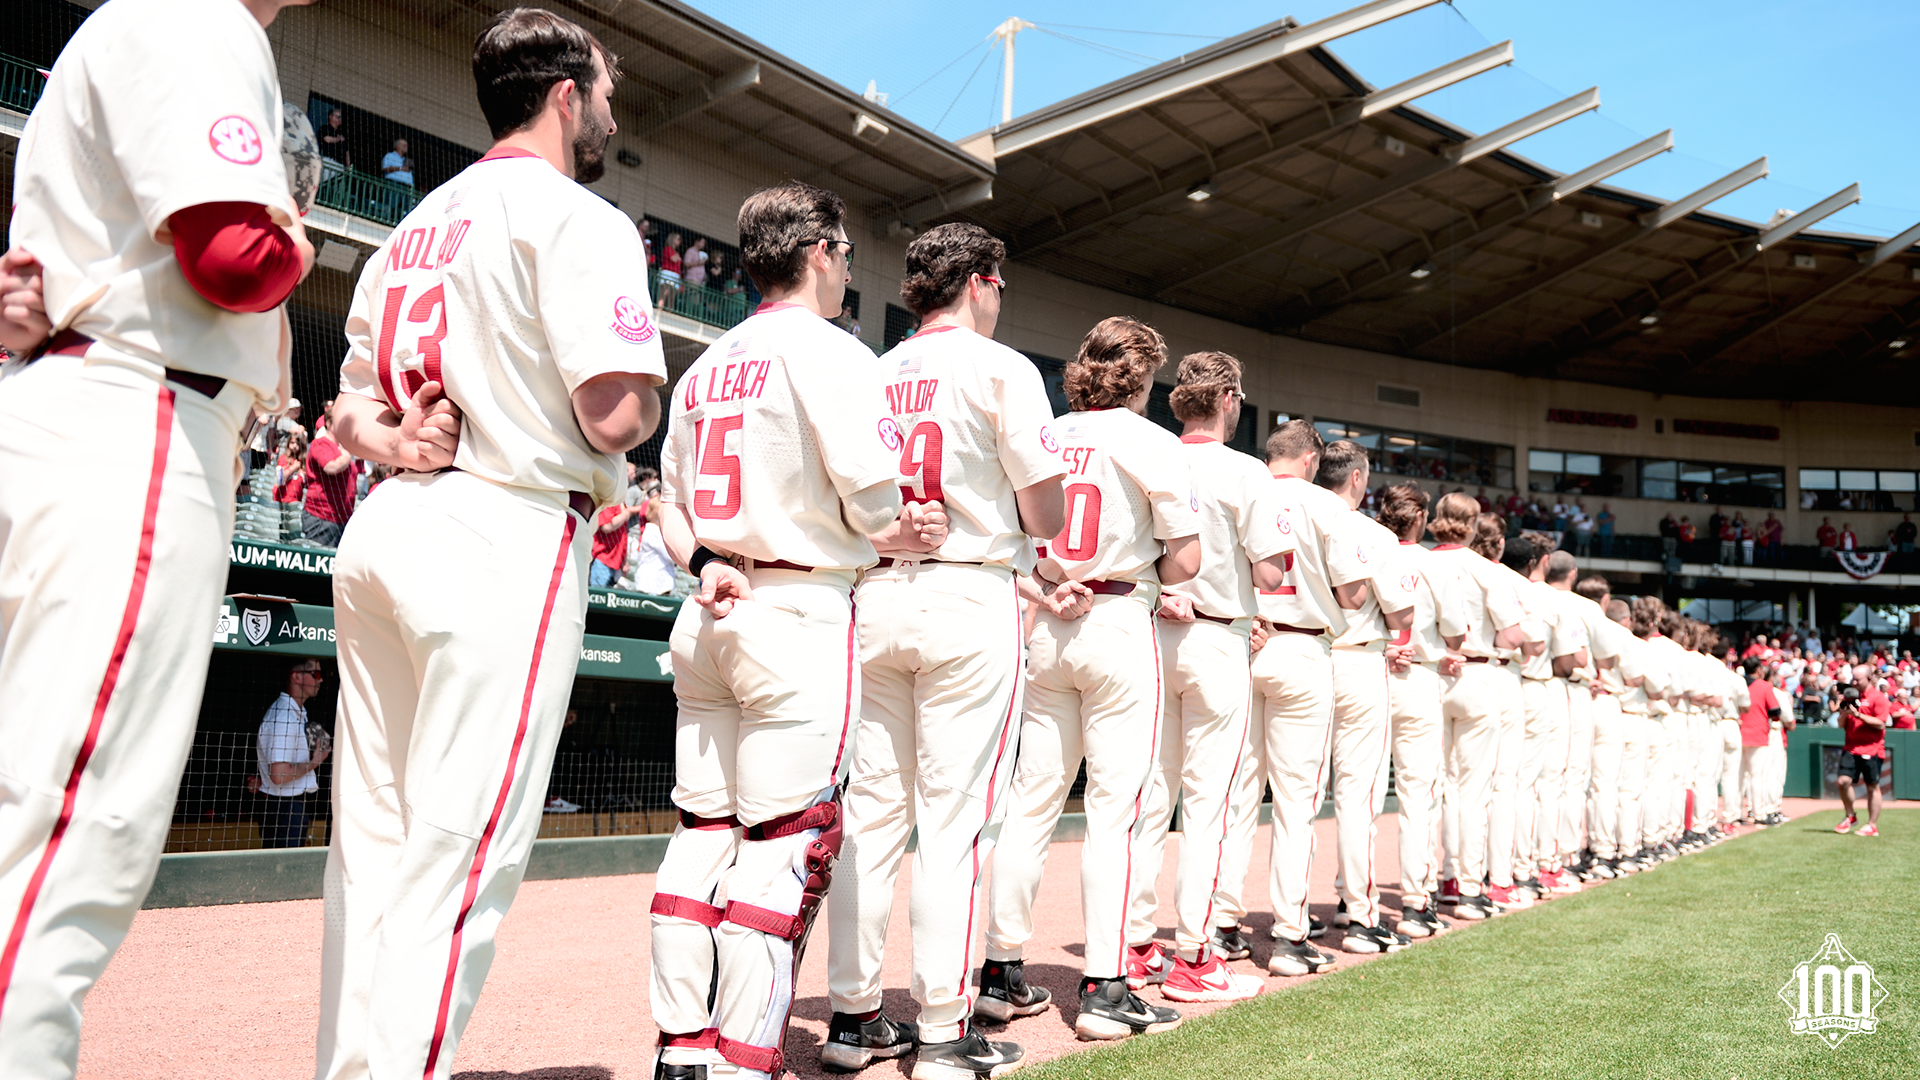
1292 735
940 695
1093 692
1362 734
456 664
1603 789
1205 745
1418 741
767 702
1726 736
1704 767
1578 775
1503 806
108 598
1636 738
1472 709
1661 805
1542 771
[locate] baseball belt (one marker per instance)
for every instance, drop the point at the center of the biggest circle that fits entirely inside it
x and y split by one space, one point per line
71 342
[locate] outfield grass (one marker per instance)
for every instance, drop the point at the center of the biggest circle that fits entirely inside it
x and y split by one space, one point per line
1665 974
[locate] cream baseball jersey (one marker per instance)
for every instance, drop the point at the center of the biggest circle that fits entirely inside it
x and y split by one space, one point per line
769 429
119 142
1317 520
511 285
1671 661
1369 550
1239 525
1533 628
1488 603
1440 608
1127 489
1610 639
1566 634
972 426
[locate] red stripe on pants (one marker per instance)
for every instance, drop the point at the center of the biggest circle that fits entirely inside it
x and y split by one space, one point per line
499 801
986 818
129 618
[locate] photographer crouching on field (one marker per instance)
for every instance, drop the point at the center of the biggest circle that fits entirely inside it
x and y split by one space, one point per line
1864 712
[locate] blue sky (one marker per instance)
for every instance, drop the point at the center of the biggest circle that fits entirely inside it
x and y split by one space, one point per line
1812 86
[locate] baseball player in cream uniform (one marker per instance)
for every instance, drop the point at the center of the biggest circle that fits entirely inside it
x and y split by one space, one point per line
781 462
1420 664
1668 746
523 295
1362 732
1544 692
1292 716
1474 701
941 655
1641 685
1205 625
1727 728
127 167
1597 827
1093 667
1509 834
1565 772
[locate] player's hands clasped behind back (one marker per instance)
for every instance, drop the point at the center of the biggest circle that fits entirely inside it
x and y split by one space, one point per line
429 430
1176 608
1068 600
23 309
721 586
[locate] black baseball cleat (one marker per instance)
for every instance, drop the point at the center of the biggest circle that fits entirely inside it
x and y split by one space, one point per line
1004 993
1316 928
1108 1010
1372 939
969 1058
1230 944
1340 916
1421 922
853 1044
664 1071
1297 958
1474 908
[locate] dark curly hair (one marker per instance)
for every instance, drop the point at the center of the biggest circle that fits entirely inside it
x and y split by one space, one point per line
1203 377
1401 507
777 227
940 260
1116 361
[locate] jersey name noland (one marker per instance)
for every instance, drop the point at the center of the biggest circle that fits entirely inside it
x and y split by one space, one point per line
415 250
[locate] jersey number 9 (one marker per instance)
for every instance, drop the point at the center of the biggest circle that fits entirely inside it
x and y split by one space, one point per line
920 463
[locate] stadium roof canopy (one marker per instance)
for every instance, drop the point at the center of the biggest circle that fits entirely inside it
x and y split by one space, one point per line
1264 181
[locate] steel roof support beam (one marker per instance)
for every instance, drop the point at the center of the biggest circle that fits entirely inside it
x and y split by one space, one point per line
1477 229
1387 186
696 98
1649 224
1684 285
1101 213
1767 321
1180 80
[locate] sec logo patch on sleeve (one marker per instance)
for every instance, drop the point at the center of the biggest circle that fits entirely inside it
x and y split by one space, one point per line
1047 442
890 433
630 321
235 139
1285 525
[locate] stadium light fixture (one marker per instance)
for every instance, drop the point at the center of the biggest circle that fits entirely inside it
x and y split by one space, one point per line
1424 270
1202 191
1650 318
1897 343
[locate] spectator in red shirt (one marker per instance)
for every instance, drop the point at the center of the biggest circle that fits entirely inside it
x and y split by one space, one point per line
1827 537
1756 730
330 485
610 545
1865 721
1486 504
289 469
1848 542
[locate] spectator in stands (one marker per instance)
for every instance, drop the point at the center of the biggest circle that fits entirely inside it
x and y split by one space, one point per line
1772 531
1486 504
1669 535
269 432
1688 534
290 468
1808 500
736 282
1603 527
397 167
653 566
1727 531
1582 529
610 545
1848 541
646 241
1827 537
287 763
1746 539
1904 535
330 484
335 158
693 263
669 271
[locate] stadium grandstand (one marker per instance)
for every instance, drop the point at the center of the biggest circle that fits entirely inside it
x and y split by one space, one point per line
1586 359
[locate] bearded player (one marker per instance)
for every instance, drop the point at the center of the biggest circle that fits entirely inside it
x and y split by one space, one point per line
524 295
940 668
1094 670
153 196
1205 628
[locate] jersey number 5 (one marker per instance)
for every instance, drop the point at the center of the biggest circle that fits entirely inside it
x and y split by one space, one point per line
1080 540
717 501
920 463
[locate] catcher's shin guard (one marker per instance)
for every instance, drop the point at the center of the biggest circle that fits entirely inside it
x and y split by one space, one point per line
807 843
